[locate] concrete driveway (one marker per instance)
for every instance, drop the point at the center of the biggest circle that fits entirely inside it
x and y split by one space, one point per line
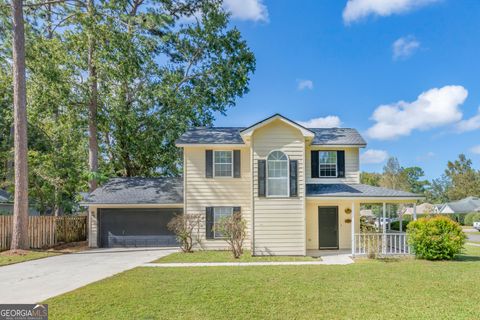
37 280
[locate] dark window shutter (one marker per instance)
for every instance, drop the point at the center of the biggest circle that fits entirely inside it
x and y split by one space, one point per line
262 178
315 164
293 178
209 223
208 163
341 163
236 210
236 164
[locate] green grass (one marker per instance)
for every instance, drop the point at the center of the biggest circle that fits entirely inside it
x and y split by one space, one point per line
399 289
30 255
225 256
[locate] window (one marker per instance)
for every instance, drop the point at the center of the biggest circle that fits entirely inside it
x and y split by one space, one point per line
223 163
220 213
277 174
328 163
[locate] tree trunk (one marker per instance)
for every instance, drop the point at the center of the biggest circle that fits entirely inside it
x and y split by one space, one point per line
92 108
20 207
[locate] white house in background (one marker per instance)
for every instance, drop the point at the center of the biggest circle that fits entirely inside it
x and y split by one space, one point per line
466 205
424 208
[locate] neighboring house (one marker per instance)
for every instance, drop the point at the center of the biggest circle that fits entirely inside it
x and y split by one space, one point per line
466 205
424 208
297 188
6 205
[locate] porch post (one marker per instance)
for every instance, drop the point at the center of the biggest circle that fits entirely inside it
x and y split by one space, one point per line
389 217
415 211
384 229
353 229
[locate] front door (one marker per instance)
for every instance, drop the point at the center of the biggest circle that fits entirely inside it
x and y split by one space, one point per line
328 227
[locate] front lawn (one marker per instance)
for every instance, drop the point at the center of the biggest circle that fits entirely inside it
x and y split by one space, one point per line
7 258
226 256
404 289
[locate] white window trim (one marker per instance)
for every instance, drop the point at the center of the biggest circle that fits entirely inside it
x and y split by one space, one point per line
214 232
336 165
288 177
222 177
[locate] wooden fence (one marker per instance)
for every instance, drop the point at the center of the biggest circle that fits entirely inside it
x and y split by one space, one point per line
46 231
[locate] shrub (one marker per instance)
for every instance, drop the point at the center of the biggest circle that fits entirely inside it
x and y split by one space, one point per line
471 217
435 238
234 231
183 226
395 225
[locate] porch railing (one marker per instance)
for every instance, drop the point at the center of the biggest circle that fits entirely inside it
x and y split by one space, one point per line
382 244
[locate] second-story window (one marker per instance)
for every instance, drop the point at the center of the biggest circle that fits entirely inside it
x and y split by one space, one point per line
328 163
277 174
223 163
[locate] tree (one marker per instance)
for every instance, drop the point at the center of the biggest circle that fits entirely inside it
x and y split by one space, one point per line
370 178
465 180
411 176
437 190
393 177
20 207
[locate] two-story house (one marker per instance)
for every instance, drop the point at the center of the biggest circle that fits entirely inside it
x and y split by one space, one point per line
297 188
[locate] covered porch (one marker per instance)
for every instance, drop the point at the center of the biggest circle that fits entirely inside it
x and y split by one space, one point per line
333 220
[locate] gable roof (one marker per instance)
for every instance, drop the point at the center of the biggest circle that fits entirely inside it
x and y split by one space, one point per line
138 191
233 135
355 190
5 197
249 130
469 204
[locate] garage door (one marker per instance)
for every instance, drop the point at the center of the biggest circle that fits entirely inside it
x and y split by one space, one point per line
136 227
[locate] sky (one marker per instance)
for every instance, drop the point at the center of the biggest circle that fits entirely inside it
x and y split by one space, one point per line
404 73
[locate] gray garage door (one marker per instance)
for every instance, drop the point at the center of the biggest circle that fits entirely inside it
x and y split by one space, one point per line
136 227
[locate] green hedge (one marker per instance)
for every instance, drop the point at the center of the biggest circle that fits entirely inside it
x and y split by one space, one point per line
395 225
436 238
471 217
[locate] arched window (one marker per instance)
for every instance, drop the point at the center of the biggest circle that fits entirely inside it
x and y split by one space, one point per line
277 174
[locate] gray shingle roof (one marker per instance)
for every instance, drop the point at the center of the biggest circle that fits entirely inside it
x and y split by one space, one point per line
5 196
469 204
354 190
138 191
337 136
231 135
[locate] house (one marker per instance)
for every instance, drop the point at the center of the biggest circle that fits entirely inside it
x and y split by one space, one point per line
297 188
423 208
6 205
466 205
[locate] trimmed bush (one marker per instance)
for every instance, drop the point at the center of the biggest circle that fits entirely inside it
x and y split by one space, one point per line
471 217
435 238
396 224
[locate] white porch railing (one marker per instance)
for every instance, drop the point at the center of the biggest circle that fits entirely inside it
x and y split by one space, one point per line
382 244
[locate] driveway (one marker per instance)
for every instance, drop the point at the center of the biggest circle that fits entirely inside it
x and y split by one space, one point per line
37 280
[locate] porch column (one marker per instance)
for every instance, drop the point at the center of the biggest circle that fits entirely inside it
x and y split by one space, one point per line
353 229
389 217
384 229
415 211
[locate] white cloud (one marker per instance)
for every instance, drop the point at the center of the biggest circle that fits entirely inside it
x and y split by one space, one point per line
358 9
475 149
433 108
305 84
247 9
325 122
373 156
426 156
470 124
404 47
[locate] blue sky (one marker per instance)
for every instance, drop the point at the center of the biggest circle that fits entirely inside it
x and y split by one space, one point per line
419 59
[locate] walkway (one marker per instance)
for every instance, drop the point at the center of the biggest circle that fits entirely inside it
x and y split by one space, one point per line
341 259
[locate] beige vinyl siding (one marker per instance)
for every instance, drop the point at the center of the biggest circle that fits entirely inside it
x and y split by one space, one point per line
92 227
352 166
201 192
279 223
344 228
